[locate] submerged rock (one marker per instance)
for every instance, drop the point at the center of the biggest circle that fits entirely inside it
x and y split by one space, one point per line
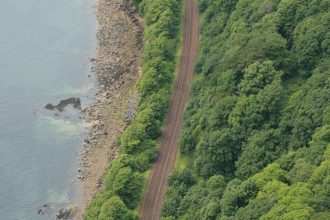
44 209
75 102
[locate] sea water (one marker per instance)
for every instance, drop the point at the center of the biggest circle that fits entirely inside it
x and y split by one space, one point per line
45 46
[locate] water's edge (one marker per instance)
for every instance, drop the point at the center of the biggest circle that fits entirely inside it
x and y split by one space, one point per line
45 55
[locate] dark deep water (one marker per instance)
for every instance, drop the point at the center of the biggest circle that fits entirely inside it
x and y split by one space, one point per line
45 46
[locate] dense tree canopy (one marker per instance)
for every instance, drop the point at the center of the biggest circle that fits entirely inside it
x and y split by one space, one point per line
256 130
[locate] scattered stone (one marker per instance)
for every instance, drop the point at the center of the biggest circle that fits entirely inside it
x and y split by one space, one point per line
81 177
67 212
99 182
131 109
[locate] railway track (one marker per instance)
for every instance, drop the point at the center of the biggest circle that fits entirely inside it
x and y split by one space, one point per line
157 183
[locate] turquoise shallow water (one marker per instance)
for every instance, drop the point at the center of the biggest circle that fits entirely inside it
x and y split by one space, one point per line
45 47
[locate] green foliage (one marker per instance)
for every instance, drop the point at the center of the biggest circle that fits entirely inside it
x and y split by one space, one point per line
218 151
258 114
115 209
311 40
262 148
128 185
179 183
124 179
290 13
292 204
236 195
186 177
257 76
266 198
270 173
174 194
301 171
132 137
258 111
304 111
94 208
203 197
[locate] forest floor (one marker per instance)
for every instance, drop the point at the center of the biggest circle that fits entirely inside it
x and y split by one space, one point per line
157 183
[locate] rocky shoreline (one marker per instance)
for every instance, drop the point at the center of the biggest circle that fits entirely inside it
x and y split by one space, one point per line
117 67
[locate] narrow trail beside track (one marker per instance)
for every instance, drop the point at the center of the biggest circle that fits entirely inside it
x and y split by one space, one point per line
157 183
